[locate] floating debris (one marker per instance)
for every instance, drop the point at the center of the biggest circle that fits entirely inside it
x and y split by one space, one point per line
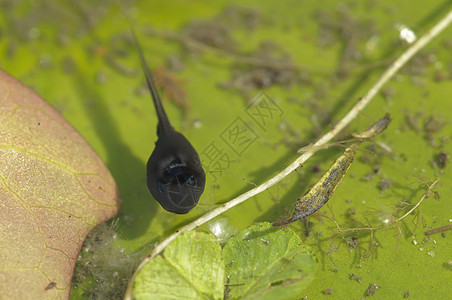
211 33
242 17
434 123
385 184
355 35
249 77
442 159
355 277
327 291
372 289
353 242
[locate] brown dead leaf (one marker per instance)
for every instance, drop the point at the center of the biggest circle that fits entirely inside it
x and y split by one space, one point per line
323 189
53 190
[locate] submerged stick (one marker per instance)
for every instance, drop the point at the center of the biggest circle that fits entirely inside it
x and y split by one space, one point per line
440 229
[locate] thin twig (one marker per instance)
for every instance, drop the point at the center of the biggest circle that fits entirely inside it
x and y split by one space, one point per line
396 221
419 203
440 229
372 229
389 73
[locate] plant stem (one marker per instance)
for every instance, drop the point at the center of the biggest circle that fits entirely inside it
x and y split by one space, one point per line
419 203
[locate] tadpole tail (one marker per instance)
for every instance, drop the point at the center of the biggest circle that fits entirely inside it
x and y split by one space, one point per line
164 124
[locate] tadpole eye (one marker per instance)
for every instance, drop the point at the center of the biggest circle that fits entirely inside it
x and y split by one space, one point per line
180 174
175 169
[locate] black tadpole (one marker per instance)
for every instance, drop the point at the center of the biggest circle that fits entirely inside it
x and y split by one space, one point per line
175 176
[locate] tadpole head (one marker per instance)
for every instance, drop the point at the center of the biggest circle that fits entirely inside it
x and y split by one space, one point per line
175 176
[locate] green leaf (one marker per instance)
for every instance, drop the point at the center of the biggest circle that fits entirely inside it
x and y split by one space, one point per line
191 268
264 262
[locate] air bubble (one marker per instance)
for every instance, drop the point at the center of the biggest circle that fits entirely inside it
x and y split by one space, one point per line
222 229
